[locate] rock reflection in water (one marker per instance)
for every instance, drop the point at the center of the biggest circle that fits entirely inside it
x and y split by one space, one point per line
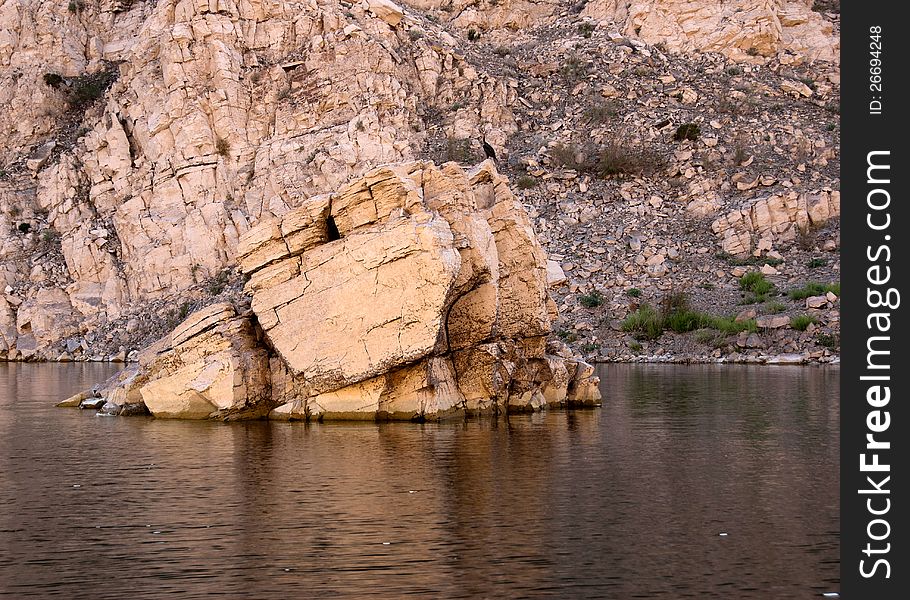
612 503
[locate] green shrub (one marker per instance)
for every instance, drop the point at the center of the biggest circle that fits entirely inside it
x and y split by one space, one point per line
755 282
52 79
573 69
459 150
525 182
217 284
816 263
802 322
633 292
586 29
828 340
616 157
814 288
729 325
415 34
687 131
635 347
592 300
775 307
644 323
686 320
184 311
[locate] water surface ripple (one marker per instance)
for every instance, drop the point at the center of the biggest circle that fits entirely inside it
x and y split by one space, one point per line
690 482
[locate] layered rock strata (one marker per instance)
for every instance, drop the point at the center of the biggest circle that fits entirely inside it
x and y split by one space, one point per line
416 292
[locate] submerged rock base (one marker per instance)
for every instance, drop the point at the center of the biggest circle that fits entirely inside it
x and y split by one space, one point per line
417 292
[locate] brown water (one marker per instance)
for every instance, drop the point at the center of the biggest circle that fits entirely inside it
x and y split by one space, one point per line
628 501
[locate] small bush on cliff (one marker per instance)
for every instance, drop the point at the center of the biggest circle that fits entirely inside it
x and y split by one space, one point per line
813 288
525 182
459 150
755 282
586 29
687 131
52 79
88 88
222 147
802 322
602 112
645 323
592 300
219 282
831 341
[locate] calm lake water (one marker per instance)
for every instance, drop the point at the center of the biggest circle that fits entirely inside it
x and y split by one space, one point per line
690 482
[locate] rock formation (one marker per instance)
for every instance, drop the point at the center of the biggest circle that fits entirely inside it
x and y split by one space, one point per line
413 293
740 29
143 139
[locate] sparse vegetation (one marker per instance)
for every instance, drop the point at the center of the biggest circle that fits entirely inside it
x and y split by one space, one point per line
675 315
85 89
573 69
734 70
755 282
459 150
814 288
748 261
830 341
586 29
415 34
775 307
473 35
740 149
633 292
635 347
217 284
592 300
602 112
525 182
52 79
616 157
222 147
687 131
802 322
184 311
815 263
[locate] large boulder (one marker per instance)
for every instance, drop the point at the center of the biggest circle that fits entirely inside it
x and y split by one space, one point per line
416 292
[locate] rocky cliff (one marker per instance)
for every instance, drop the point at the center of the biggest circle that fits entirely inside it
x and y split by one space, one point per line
144 140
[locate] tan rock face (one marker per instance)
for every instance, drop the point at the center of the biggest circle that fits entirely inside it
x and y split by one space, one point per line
416 292
739 29
775 218
429 259
217 119
210 365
